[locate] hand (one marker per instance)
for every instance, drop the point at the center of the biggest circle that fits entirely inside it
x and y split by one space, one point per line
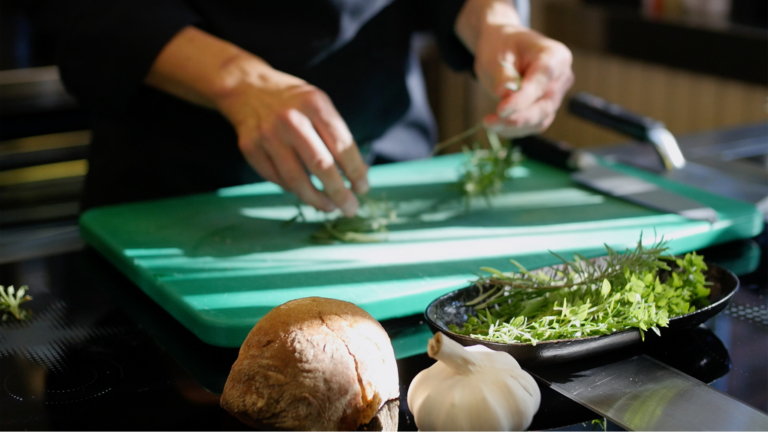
528 72
284 125
545 66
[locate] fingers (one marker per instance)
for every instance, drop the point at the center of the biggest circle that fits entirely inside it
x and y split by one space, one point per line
306 134
293 177
502 78
338 139
298 130
494 123
259 160
533 86
536 118
533 108
546 70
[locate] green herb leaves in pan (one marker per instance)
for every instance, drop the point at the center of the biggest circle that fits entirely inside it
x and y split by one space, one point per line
580 298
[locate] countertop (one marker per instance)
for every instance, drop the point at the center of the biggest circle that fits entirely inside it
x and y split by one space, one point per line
99 354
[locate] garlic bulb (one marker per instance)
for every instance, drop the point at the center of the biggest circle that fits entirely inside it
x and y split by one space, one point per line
473 388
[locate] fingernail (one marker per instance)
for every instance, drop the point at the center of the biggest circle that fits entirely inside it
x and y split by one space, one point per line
362 186
349 208
513 86
507 112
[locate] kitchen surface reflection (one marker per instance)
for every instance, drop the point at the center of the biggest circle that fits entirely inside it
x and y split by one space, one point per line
99 354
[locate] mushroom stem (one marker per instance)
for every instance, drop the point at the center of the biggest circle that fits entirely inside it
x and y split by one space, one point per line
451 353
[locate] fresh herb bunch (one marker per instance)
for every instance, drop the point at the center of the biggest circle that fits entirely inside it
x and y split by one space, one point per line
366 226
583 298
487 166
11 300
486 169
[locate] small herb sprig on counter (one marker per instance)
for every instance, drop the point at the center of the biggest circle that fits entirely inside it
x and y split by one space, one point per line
487 166
483 175
367 226
583 298
486 169
11 300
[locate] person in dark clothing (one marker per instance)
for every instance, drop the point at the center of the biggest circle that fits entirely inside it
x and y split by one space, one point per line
190 96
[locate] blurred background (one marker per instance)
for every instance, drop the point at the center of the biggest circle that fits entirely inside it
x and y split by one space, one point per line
696 65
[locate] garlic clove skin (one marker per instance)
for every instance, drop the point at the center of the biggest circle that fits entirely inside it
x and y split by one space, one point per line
472 388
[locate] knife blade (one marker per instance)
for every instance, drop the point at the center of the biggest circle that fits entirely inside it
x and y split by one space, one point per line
641 393
642 192
591 171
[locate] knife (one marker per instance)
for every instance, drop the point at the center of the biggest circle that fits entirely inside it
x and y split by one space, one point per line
641 393
596 173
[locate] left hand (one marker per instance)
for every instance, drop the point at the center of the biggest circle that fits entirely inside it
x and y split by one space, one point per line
503 48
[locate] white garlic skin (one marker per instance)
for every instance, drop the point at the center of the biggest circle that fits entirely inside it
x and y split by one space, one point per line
494 393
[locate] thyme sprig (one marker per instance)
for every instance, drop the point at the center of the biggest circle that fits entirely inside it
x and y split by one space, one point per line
367 226
486 169
487 166
11 300
457 138
579 298
483 175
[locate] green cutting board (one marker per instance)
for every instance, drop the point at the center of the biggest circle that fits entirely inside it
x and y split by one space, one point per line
218 262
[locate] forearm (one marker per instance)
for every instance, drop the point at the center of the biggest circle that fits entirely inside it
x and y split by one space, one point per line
201 68
476 15
285 127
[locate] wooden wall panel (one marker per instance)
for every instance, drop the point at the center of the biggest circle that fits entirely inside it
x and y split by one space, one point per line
686 102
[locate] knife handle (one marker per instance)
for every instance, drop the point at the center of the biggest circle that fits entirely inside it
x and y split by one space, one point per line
543 150
612 116
555 153
644 129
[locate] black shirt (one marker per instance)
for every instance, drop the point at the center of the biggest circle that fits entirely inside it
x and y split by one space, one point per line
147 144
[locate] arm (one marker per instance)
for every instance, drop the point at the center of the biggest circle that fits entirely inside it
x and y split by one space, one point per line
110 49
491 30
283 124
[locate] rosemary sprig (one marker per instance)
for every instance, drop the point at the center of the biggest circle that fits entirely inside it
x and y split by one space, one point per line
10 301
483 175
486 169
456 138
582 298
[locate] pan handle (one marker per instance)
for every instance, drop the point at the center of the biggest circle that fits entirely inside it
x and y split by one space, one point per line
618 118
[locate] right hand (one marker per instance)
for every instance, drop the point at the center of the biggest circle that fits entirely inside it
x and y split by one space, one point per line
283 125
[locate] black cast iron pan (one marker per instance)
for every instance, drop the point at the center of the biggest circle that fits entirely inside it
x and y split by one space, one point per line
449 309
